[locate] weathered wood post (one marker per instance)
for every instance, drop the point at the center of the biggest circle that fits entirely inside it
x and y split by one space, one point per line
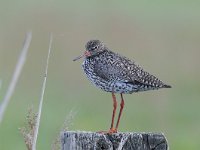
81 140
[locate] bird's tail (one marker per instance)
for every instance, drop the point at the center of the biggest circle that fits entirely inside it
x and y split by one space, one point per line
166 86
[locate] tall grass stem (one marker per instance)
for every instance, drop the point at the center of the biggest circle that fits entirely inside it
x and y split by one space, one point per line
16 75
42 97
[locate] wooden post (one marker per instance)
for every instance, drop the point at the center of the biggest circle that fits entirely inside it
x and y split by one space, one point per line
81 140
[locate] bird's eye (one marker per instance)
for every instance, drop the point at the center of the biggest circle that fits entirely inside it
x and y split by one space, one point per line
93 48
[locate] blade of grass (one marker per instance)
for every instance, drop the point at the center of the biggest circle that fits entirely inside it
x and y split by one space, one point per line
16 74
42 97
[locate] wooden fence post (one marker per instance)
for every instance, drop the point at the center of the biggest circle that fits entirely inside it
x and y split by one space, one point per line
81 140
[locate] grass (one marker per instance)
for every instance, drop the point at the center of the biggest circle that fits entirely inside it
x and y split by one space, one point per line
29 130
41 98
16 75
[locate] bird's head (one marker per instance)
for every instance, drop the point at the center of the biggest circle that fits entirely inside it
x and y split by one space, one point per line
93 48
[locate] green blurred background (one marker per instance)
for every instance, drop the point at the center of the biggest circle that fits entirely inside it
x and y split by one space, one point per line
162 36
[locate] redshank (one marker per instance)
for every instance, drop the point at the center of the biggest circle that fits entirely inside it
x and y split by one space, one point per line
114 73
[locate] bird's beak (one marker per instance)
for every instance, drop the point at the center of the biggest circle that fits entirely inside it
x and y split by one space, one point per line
86 54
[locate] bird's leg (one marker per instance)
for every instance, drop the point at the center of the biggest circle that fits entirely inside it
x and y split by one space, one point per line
112 130
120 112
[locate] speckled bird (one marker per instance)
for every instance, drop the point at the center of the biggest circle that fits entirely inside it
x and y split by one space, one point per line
115 73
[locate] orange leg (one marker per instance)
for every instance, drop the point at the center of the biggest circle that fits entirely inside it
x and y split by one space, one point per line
120 112
112 129
113 114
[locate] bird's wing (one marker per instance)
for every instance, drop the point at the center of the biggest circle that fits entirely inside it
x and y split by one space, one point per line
139 76
119 68
114 68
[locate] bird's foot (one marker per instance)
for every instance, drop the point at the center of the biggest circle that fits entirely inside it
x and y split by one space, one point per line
111 131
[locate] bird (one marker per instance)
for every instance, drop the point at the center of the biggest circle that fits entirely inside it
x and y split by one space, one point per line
116 74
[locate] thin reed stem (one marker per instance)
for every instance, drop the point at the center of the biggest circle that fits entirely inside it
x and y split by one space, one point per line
16 74
42 97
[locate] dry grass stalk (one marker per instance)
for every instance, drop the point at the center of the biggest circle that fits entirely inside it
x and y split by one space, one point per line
41 98
28 130
16 74
56 145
